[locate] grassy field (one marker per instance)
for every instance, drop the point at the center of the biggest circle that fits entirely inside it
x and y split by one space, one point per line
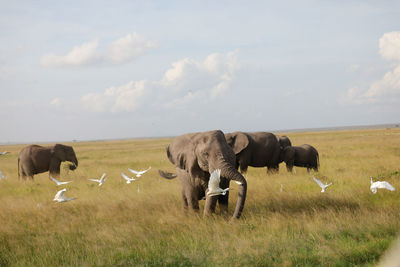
142 224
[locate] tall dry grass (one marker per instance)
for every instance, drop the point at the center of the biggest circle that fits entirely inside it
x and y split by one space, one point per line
119 225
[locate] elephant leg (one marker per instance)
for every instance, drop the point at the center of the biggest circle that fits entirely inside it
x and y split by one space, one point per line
223 202
185 202
27 170
193 203
191 198
272 169
224 199
289 168
209 207
54 168
23 174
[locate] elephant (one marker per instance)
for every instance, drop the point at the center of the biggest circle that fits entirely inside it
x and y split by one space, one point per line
301 156
258 149
36 159
195 156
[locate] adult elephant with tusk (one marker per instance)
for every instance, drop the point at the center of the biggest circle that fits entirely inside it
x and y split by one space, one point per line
195 156
36 159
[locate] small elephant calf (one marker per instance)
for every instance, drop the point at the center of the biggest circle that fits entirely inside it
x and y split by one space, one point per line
301 156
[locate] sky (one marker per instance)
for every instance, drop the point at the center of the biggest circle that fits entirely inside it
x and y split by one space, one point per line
90 70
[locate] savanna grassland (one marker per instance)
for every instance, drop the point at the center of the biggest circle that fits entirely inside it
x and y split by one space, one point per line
286 221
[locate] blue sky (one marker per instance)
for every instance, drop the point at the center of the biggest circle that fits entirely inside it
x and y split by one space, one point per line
87 70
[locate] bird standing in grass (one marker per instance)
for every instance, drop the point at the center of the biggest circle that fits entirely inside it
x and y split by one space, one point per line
322 185
380 184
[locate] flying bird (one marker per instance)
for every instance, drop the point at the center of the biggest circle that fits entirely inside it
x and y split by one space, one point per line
128 179
380 184
58 182
138 173
323 186
213 184
101 180
59 197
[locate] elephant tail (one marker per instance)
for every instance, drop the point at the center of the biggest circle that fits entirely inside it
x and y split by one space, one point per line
166 175
18 168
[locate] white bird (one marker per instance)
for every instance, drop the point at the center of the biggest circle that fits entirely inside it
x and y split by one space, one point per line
323 186
1 175
138 173
380 184
101 180
128 180
59 197
4 152
58 182
213 184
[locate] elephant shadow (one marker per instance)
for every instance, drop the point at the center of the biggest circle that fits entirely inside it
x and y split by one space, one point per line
295 204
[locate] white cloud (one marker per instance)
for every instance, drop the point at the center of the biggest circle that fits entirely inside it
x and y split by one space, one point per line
387 89
122 98
120 51
212 77
83 55
389 45
128 48
188 81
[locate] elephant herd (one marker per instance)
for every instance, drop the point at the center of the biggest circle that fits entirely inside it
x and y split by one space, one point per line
195 156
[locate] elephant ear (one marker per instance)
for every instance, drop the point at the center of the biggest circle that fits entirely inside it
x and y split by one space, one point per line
171 159
239 142
182 157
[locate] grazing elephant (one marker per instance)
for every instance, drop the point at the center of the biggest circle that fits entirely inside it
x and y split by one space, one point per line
195 156
257 149
36 159
301 156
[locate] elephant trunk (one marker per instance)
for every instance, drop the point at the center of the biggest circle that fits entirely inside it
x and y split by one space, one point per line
74 165
231 173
